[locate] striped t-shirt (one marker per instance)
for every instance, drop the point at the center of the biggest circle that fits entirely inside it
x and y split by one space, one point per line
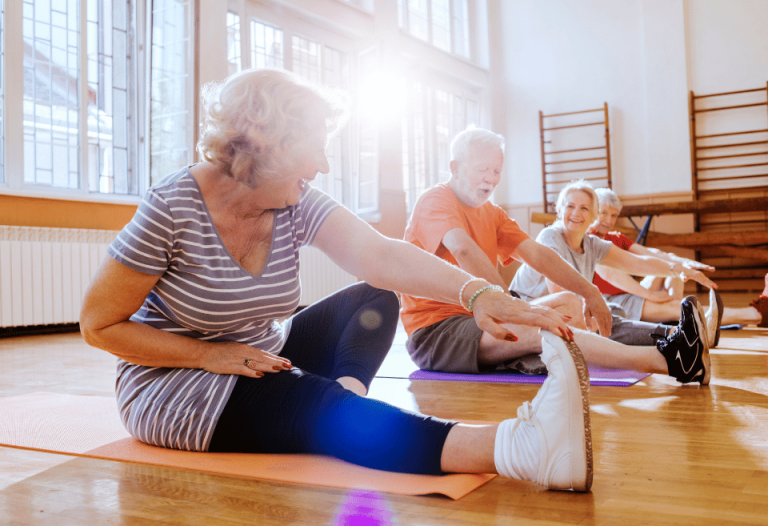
203 293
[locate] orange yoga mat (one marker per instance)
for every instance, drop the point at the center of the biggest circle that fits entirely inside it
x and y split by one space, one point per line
89 426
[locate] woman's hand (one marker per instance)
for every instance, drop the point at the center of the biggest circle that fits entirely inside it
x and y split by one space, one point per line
597 315
493 308
242 359
697 276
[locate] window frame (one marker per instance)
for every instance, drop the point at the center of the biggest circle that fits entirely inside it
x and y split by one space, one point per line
13 122
327 37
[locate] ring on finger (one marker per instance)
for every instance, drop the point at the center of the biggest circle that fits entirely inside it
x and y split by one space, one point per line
247 363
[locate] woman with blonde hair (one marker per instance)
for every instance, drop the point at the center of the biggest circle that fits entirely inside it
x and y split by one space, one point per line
577 208
192 292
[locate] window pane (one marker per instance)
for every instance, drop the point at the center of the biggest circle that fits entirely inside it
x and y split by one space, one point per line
108 115
51 99
443 135
266 46
417 19
461 28
335 73
306 58
416 165
2 93
441 24
233 42
170 117
368 146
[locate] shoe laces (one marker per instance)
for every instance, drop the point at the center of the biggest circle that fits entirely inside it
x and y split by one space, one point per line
525 411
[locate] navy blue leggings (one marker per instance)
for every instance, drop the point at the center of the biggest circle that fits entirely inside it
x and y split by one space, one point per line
306 411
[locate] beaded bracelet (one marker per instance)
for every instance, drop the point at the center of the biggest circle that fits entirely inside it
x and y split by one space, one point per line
471 305
461 292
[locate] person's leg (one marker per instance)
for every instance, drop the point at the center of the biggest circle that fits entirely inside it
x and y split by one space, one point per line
610 354
660 312
674 286
631 332
566 303
299 412
346 336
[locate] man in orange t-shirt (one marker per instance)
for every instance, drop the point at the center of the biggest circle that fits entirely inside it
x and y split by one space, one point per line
457 222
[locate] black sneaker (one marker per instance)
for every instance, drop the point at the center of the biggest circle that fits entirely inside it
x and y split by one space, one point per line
687 349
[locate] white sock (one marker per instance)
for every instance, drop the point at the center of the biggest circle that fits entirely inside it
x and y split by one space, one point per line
517 453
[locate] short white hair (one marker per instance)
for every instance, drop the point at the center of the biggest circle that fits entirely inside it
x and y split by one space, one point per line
577 186
606 196
471 136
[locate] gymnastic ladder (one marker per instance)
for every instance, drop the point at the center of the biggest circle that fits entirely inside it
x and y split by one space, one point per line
729 156
568 147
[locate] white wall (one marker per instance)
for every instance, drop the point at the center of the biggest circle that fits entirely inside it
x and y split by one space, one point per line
640 56
728 44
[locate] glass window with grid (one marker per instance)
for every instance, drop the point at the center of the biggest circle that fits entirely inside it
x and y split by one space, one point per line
77 126
234 64
442 23
171 90
432 119
321 64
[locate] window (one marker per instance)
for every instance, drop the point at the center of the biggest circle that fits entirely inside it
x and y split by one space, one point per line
233 42
266 46
352 153
171 115
442 23
431 121
77 127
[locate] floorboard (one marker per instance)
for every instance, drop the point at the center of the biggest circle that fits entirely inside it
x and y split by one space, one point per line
664 454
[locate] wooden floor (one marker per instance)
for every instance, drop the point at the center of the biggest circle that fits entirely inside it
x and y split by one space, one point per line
664 454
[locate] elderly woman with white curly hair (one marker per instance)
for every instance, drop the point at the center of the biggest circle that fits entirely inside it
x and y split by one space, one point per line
192 292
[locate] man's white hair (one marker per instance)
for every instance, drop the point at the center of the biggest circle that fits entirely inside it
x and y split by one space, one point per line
608 197
470 137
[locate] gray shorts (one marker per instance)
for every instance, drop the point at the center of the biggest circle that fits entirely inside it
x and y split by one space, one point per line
448 346
629 303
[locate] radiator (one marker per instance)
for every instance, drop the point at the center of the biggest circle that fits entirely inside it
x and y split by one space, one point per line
320 276
44 273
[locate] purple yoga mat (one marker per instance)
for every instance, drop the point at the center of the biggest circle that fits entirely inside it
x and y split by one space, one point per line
597 376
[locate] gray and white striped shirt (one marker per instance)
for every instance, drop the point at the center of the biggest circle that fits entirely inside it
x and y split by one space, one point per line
203 293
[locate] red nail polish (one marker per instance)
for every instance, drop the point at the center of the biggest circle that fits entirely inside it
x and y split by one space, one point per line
510 337
277 368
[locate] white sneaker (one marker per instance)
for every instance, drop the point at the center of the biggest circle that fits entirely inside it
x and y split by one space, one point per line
714 317
559 417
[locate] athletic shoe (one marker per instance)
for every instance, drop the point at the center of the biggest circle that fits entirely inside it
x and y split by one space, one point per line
761 304
686 350
714 318
529 364
550 442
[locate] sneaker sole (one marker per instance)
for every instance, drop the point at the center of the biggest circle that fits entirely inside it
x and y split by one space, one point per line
581 429
698 316
720 307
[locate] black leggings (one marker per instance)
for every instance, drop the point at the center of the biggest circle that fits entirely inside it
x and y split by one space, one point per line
306 411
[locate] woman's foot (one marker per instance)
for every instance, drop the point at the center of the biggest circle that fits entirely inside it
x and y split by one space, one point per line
761 304
550 441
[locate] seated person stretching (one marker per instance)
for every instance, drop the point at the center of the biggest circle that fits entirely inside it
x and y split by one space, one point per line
653 299
191 292
457 222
